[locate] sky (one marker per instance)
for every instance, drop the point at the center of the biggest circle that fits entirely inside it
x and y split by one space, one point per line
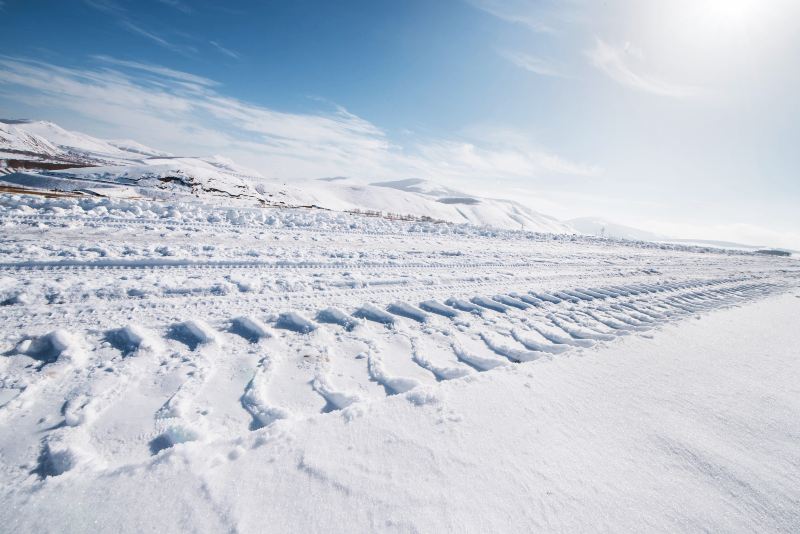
679 117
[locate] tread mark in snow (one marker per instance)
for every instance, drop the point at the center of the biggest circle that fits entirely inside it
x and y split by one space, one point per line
255 398
394 385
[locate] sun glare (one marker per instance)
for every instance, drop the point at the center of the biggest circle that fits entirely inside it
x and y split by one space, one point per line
728 14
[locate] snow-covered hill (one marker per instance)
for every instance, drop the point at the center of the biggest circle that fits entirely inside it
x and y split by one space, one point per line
414 197
16 139
603 228
478 210
51 157
86 145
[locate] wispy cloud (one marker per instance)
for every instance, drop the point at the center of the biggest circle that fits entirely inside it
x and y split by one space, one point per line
185 113
517 11
614 62
157 39
107 6
489 150
227 51
177 4
157 70
532 64
124 19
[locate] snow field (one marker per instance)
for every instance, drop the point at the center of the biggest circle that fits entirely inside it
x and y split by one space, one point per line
312 368
690 429
143 332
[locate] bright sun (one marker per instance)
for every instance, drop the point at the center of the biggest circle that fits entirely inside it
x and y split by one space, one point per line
736 12
733 10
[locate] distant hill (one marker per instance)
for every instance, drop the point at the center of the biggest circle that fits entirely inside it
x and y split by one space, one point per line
43 155
603 228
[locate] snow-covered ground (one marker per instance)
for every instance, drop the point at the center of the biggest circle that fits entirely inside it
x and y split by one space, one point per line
187 366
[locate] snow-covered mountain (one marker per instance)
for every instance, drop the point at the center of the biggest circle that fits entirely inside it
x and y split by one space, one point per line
79 143
15 139
44 155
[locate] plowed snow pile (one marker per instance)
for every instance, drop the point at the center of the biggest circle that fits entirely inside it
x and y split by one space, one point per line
181 366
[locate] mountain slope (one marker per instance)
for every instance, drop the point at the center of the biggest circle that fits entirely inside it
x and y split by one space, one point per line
604 228
479 210
79 142
15 139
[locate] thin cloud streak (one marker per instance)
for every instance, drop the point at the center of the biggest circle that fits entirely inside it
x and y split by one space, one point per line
532 64
612 61
227 51
177 4
157 70
512 12
106 6
123 18
157 39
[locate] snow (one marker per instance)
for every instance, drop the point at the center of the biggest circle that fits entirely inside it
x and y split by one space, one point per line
373 313
74 141
602 227
686 431
127 169
336 316
193 364
56 346
295 322
251 328
405 309
15 138
133 339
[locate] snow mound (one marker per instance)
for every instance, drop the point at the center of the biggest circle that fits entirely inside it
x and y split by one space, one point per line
373 313
295 322
407 310
435 307
56 346
132 339
250 328
194 333
336 316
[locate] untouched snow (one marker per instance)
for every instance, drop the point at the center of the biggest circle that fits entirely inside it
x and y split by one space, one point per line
188 365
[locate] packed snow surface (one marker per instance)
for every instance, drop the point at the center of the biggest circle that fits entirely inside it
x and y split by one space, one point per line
183 365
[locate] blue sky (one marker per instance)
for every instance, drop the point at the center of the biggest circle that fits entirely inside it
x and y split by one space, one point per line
680 117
